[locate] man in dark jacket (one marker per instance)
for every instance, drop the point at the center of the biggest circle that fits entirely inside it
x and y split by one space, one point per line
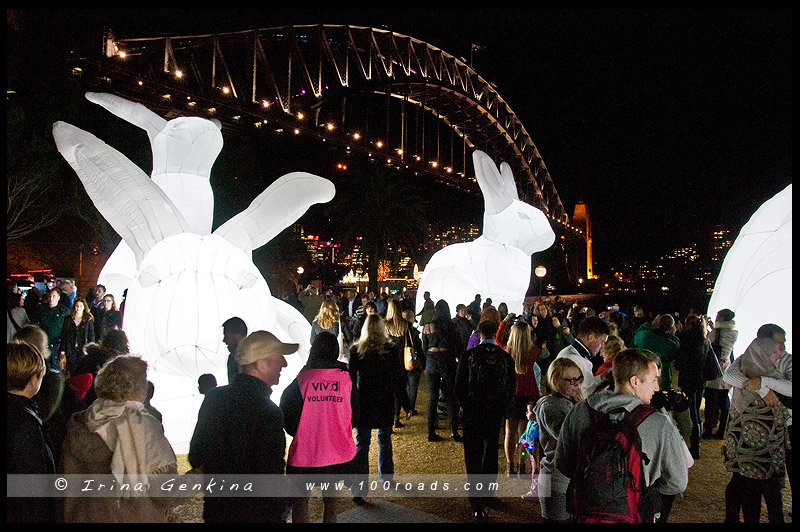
484 386
51 320
234 330
462 323
240 432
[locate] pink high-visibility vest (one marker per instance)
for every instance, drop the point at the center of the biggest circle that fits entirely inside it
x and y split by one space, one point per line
325 433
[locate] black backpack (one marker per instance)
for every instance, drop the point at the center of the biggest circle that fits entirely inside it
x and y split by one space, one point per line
608 484
488 377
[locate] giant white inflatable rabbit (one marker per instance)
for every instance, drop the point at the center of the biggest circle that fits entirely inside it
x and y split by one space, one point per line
184 150
187 283
497 264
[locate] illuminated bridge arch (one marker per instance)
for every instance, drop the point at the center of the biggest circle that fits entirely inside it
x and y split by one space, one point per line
414 101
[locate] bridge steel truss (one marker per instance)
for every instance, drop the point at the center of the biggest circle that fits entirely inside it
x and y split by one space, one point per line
336 73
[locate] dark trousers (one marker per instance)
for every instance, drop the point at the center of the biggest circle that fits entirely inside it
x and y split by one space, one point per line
718 404
480 455
55 360
412 388
745 494
789 456
445 382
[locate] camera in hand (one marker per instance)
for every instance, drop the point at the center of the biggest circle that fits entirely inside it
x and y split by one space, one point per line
671 400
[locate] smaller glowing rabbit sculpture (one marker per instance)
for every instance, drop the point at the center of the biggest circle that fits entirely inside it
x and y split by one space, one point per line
497 264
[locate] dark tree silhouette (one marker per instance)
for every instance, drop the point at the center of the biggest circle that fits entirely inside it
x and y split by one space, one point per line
381 208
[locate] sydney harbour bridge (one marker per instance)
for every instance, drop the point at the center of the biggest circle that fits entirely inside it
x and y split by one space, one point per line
397 99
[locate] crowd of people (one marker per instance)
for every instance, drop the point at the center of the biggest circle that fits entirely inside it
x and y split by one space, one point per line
79 402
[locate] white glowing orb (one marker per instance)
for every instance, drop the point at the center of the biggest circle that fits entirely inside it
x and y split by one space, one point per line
756 277
497 264
187 282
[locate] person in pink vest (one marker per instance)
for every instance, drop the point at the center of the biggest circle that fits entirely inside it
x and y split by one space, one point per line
319 408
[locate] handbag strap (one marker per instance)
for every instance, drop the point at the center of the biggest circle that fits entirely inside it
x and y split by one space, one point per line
13 321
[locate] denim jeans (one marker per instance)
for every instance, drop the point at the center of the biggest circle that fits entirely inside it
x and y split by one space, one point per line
695 397
413 387
361 460
55 360
443 382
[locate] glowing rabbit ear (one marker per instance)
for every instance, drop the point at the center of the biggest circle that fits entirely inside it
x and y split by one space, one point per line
127 198
495 192
507 178
131 112
275 209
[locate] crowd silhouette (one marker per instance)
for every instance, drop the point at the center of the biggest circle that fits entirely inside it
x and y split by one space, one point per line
513 388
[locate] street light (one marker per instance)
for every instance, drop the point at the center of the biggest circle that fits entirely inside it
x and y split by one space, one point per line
540 272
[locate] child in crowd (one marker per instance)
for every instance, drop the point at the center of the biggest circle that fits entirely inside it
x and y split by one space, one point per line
529 441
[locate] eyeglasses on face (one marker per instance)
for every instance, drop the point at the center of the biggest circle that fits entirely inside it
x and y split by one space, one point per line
574 381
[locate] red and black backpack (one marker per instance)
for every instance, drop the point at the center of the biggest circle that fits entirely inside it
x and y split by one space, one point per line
608 484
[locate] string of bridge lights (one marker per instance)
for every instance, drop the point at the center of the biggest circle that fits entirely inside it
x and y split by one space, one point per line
329 126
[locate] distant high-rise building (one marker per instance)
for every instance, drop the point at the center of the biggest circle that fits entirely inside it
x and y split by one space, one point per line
721 242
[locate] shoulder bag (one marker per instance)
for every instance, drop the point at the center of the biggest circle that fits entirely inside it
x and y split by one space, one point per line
408 353
711 368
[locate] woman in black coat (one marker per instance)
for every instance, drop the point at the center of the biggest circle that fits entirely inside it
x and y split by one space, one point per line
78 330
442 346
376 369
28 450
692 353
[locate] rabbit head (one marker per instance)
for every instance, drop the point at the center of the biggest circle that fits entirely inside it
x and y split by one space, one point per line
506 219
184 145
184 150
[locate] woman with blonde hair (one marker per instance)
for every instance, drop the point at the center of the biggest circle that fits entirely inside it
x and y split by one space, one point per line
376 369
27 447
78 330
523 351
49 396
613 345
327 319
565 378
116 436
58 398
401 335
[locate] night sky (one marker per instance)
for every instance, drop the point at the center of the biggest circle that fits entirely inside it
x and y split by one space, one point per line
663 121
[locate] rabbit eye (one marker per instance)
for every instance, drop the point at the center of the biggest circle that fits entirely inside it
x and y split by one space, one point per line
523 216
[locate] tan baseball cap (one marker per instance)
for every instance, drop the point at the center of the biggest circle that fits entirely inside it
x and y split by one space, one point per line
261 344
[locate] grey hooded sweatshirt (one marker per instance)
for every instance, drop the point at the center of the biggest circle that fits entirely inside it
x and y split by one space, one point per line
668 469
